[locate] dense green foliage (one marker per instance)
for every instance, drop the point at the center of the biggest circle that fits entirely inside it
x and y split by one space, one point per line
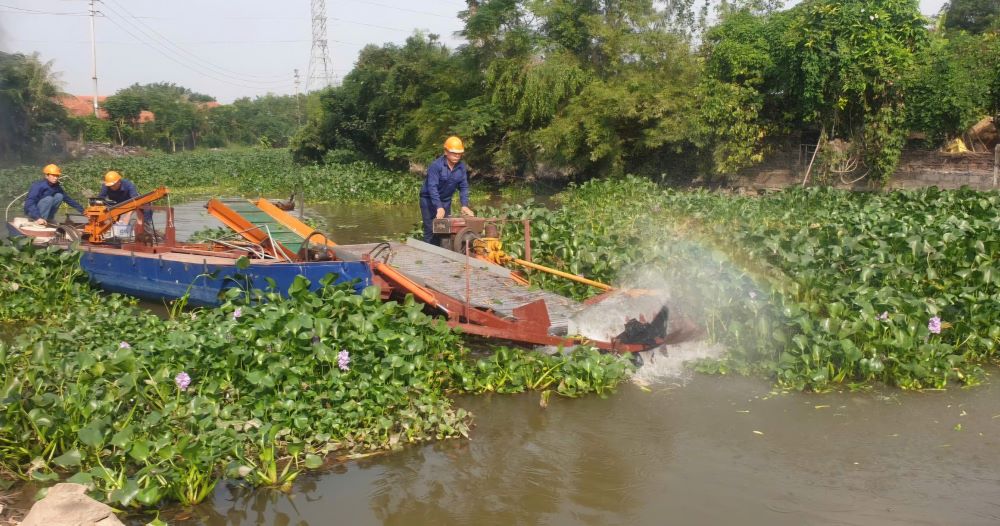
974 16
953 84
818 288
29 112
182 119
829 66
146 409
594 88
578 87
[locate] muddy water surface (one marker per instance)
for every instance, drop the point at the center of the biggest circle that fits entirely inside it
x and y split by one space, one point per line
718 450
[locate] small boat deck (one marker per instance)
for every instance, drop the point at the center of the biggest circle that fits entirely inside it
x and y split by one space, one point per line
489 286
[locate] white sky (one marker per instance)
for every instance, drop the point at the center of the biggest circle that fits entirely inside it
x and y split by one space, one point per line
224 48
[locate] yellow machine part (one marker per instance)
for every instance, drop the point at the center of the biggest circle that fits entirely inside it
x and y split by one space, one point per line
491 249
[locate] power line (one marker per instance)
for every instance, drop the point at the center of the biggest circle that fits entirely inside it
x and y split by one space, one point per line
190 42
370 25
183 64
21 10
208 65
403 9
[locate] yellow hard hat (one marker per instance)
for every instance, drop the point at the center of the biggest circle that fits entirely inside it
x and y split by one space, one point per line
111 178
454 145
51 169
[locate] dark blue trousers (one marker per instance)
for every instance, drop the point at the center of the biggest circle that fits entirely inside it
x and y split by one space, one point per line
427 213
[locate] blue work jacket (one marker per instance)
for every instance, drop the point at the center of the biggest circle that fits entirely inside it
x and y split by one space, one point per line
441 183
42 189
124 192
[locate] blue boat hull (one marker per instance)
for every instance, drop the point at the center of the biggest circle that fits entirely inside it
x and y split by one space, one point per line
159 278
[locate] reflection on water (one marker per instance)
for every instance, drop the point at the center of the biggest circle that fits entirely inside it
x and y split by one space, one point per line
365 223
718 450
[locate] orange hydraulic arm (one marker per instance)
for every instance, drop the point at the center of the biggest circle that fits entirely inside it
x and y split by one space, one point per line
101 217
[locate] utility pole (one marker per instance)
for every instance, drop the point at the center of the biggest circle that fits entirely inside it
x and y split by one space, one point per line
298 104
318 76
93 55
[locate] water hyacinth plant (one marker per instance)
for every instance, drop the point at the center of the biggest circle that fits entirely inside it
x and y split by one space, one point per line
144 409
849 279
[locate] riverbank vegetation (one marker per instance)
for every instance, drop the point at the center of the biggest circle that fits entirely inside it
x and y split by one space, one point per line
578 89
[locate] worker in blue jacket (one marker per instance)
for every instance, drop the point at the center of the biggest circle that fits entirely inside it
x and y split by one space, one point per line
445 175
117 189
45 197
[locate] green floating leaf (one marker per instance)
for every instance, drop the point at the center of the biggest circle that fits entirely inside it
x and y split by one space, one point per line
313 461
92 435
68 459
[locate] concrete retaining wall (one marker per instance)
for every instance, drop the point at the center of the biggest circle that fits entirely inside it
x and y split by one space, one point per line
917 169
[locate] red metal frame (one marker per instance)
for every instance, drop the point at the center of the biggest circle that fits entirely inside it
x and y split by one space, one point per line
530 324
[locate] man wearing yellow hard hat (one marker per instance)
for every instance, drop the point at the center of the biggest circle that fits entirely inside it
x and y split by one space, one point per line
117 189
45 197
445 175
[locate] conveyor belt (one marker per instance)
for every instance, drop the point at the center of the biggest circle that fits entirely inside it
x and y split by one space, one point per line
282 234
490 286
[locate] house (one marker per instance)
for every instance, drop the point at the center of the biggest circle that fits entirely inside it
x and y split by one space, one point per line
83 105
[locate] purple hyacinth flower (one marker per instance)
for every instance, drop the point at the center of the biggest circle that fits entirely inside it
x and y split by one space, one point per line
124 345
182 380
237 313
343 358
934 325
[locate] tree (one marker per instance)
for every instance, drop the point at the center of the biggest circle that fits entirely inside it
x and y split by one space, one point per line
28 103
973 16
270 118
178 114
124 109
370 112
949 88
832 66
740 102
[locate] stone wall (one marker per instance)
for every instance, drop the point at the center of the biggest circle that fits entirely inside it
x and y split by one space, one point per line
916 169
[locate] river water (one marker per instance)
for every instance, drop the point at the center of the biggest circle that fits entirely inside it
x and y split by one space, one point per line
678 449
710 450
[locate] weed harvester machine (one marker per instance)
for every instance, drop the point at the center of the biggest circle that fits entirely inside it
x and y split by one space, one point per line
468 280
619 320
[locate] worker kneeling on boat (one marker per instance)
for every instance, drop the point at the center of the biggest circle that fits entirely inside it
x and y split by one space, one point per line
445 175
45 196
117 189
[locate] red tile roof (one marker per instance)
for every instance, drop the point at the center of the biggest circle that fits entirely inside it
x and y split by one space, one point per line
83 105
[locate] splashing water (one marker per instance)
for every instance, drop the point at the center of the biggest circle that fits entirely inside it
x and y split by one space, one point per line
671 362
606 319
